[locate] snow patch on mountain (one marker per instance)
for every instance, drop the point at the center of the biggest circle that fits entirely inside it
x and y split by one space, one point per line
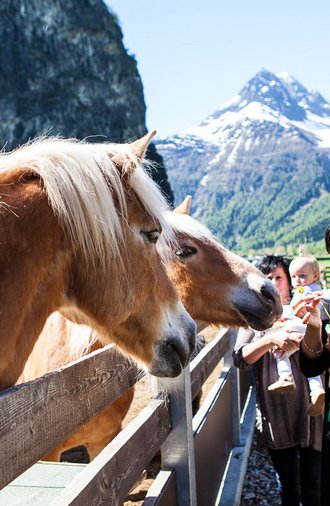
272 94
257 168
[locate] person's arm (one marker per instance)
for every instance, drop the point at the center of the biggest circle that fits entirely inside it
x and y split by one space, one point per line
311 363
313 357
252 352
282 340
311 344
248 352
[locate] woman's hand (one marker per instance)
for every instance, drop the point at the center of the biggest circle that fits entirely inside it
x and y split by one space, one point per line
289 341
308 311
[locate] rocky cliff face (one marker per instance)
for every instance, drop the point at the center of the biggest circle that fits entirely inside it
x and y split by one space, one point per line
64 71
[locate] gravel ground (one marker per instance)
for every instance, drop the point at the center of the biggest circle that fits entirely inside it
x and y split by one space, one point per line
261 487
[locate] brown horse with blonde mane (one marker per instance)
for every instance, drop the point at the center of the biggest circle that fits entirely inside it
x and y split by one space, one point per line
216 286
79 227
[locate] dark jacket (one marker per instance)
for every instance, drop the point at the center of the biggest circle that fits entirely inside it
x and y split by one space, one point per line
313 367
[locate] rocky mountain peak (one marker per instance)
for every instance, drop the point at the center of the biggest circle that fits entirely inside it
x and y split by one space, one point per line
275 92
281 93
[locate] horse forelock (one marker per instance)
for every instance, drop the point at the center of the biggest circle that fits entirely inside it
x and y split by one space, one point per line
81 182
185 224
155 203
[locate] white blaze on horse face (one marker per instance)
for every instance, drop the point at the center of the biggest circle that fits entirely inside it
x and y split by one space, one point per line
260 284
255 281
176 344
258 301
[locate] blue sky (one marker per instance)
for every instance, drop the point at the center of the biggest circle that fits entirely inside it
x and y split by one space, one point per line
193 56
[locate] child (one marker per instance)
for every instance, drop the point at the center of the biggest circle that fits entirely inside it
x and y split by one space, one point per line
305 278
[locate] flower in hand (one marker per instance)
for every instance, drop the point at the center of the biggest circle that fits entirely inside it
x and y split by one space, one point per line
308 311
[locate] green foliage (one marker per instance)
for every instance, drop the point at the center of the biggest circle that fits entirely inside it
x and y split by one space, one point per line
280 209
272 197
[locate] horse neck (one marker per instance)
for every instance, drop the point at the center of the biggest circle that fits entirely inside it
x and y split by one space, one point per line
24 326
33 276
59 343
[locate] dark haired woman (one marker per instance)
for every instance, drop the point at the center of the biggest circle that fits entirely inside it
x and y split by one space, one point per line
291 437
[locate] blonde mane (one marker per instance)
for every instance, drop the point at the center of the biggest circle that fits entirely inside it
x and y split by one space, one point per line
187 225
81 182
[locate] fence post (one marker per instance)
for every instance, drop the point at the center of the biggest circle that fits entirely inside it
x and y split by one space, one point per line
178 452
235 390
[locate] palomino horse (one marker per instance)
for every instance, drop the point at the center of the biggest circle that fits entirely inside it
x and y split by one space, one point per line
78 219
217 287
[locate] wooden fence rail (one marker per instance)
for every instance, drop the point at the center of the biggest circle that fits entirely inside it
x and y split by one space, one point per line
36 416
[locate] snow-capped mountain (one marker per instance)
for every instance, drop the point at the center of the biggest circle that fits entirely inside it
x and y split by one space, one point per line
276 98
258 145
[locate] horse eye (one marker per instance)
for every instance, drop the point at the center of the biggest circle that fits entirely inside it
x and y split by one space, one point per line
151 236
186 252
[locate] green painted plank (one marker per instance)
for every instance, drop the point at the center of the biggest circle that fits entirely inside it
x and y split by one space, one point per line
40 484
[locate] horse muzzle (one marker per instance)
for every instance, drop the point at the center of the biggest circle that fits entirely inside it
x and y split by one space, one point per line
259 304
172 354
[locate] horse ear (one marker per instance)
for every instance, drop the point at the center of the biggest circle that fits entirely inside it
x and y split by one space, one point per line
139 147
184 207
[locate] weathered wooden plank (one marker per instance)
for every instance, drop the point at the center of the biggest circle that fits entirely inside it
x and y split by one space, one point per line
212 431
178 450
233 481
245 378
213 440
163 491
36 416
206 361
123 459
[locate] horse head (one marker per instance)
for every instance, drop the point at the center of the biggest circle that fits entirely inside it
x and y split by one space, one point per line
79 229
217 286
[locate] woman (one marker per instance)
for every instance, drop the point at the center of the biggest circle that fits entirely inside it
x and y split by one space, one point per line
292 438
314 356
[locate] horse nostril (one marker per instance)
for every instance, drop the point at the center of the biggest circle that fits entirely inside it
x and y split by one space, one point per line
180 353
269 291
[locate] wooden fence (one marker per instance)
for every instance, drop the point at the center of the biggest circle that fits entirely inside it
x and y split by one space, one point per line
36 416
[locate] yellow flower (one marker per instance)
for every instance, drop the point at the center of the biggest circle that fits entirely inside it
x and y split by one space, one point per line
300 289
